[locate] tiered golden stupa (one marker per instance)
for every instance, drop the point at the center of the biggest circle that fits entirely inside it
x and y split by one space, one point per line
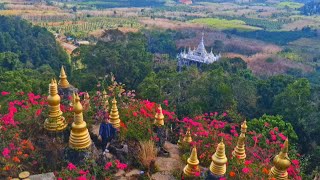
180 140
55 122
63 82
219 161
105 101
86 102
192 166
187 138
79 135
159 118
114 114
72 100
281 163
239 151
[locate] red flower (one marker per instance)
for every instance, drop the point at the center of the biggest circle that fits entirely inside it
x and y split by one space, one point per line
165 102
6 152
4 93
246 170
247 162
71 167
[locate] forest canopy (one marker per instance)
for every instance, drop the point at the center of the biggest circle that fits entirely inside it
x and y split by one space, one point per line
28 46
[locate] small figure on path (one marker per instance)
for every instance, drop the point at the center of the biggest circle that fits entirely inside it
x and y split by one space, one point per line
106 132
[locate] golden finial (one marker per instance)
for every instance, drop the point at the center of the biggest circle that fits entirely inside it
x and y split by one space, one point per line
114 114
180 137
86 102
63 82
72 99
79 135
192 167
219 160
159 118
187 138
281 163
104 94
55 122
239 151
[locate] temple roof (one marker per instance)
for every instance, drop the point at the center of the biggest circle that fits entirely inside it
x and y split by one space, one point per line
199 54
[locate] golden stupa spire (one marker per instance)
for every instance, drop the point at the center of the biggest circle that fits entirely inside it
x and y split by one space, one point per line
86 102
281 163
192 167
55 122
79 135
187 138
63 82
239 151
159 118
114 114
219 160
180 138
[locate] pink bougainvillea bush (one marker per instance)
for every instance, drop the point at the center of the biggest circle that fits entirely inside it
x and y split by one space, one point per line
207 131
22 116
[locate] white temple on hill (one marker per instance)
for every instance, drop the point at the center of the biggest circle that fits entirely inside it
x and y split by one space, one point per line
197 56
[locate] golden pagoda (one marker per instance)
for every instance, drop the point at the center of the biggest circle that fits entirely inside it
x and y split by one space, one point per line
239 151
219 161
192 167
86 103
55 122
180 140
187 138
159 118
72 100
114 114
63 82
105 100
281 163
79 135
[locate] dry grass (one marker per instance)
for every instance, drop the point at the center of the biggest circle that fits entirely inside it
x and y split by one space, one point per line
147 153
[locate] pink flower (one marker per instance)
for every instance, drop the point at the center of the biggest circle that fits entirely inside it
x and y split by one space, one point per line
71 167
273 137
82 178
246 170
6 152
135 114
247 162
197 174
59 178
82 172
224 114
4 93
38 112
108 165
295 162
165 102
283 137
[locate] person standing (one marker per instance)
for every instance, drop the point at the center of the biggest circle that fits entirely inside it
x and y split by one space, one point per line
106 133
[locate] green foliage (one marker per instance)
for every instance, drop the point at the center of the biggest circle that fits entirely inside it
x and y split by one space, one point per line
294 102
161 42
268 89
277 37
10 61
225 24
310 8
128 60
32 44
266 123
27 80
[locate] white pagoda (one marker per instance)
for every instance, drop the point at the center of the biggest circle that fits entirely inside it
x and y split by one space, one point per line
197 56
